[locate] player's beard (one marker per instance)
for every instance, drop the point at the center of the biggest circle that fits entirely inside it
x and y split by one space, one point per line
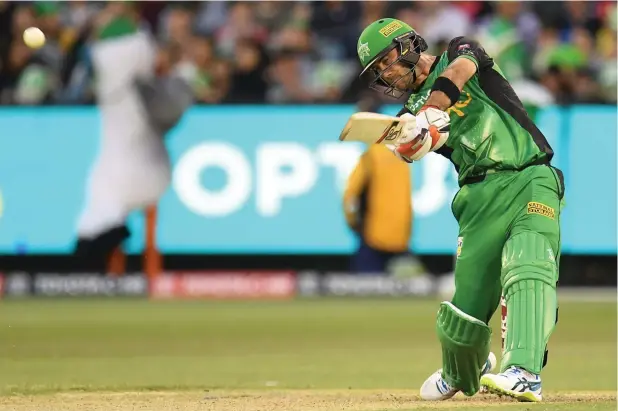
413 83
405 83
400 85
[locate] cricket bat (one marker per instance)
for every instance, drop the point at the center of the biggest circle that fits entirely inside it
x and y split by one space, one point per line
373 128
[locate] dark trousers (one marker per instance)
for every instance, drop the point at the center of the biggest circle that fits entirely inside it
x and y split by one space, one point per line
368 260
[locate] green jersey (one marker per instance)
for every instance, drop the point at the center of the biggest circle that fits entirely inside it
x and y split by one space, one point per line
490 130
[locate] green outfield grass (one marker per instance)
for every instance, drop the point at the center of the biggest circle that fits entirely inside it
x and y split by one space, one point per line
215 355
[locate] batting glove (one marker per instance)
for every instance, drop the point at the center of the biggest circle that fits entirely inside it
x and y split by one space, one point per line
428 132
417 144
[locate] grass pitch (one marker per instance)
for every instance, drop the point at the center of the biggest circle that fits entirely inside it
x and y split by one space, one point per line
248 356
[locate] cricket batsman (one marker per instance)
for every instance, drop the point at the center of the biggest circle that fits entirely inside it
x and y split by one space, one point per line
508 207
137 109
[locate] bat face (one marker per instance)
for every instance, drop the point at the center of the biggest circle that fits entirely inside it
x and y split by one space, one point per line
372 128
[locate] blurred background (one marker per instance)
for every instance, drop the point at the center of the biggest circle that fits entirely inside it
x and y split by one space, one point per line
265 204
258 174
305 52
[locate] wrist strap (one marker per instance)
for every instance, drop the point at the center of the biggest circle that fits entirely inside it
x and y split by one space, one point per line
449 88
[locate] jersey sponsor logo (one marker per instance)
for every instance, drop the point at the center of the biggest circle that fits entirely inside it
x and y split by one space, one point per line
390 28
459 245
417 101
414 106
541 209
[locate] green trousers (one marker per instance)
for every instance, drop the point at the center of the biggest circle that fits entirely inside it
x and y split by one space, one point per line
525 204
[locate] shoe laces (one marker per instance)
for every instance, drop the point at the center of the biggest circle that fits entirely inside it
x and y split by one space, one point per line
519 372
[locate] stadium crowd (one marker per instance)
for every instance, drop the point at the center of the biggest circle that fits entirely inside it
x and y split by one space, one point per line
305 51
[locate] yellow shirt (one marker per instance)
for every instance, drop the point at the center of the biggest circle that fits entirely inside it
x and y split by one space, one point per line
378 200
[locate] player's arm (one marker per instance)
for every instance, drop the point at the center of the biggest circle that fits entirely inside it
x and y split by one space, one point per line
458 73
467 57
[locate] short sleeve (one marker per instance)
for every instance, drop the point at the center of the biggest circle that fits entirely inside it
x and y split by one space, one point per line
465 47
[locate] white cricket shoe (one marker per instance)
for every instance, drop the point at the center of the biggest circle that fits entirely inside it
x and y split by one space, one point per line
436 389
514 382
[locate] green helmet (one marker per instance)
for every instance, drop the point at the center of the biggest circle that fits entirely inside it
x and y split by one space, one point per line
377 40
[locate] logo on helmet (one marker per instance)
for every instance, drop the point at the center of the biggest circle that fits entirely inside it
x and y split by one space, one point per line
363 51
390 28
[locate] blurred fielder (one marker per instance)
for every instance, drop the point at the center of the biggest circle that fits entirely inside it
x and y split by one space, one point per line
132 169
378 209
508 206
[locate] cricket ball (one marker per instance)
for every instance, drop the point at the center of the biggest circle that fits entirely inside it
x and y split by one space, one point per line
34 37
